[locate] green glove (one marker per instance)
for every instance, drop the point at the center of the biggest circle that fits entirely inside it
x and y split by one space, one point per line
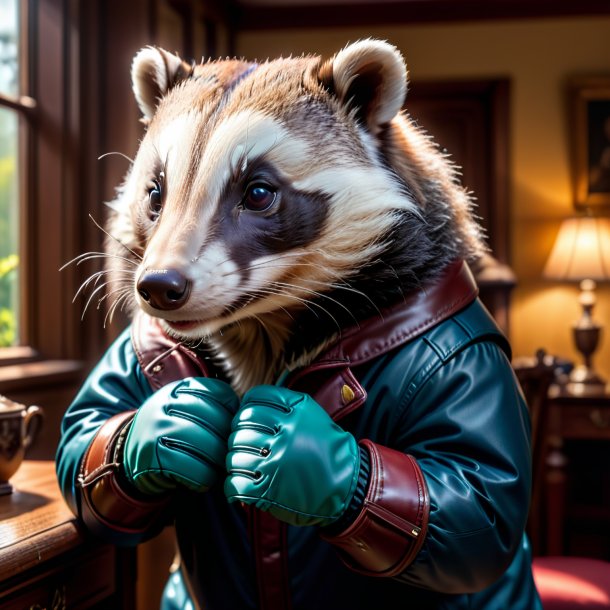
288 457
179 436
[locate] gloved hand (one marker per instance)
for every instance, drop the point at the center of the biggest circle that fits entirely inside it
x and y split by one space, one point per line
288 457
179 436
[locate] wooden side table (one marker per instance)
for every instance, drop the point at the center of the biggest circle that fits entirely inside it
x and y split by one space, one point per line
46 561
574 416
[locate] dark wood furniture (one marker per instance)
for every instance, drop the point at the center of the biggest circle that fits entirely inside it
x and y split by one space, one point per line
577 472
46 560
563 581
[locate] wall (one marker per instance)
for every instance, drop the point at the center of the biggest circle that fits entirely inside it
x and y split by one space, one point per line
537 55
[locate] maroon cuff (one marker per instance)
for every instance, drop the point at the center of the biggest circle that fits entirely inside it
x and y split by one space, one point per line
390 529
104 500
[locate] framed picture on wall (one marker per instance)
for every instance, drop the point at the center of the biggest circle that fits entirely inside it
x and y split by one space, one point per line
589 121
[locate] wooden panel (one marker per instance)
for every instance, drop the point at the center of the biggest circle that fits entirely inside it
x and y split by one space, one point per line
251 15
82 582
47 560
470 120
35 523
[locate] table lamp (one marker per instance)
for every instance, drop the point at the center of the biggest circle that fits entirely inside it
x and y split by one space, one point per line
581 253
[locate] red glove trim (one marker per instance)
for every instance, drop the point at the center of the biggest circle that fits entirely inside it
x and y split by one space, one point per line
104 501
391 527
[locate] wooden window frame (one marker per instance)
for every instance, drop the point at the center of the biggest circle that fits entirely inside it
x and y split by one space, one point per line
49 349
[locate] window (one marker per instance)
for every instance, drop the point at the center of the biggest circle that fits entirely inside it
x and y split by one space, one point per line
9 177
40 131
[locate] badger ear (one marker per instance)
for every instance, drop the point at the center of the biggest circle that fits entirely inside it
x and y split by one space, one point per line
371 77
154 72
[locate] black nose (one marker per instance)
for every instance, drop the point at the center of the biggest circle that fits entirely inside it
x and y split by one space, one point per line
164 288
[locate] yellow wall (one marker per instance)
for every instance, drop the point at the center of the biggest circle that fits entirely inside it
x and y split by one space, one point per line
537 55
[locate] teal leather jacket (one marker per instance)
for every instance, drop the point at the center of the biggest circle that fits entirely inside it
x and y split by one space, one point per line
428 390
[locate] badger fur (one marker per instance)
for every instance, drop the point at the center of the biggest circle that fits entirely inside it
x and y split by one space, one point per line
272 205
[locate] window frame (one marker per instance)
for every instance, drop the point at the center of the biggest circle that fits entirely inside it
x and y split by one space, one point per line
24 107
48 351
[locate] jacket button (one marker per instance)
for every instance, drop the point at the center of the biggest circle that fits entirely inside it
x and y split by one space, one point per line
347 394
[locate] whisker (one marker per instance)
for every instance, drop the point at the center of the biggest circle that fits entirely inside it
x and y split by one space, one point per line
262 263
113 237
305 302
114 152
86 283
274 265
95 277
85 256
101 287
110 314
110 294
317 294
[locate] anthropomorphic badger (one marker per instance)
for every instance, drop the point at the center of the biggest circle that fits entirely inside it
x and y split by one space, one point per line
310 388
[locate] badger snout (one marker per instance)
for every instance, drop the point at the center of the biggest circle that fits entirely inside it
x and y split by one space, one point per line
164 289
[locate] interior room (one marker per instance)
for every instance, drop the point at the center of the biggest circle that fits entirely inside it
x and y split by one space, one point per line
515 92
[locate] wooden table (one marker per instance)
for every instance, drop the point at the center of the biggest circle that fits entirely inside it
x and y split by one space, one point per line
47 562
576 482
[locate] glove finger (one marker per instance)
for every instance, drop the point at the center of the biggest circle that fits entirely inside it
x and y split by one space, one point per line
280 397
208 417
244 487
246 459
209 391
251 437
264 417
203 438
193 397
187 464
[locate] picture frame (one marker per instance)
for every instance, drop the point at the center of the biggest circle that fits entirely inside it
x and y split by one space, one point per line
589 120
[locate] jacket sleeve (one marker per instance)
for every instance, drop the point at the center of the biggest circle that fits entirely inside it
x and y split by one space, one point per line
92 430
446 505
470 432
389 526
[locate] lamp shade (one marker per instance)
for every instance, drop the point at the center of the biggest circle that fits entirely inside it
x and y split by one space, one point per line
581 250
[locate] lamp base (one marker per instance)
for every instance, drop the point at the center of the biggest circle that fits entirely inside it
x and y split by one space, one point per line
585 380
586 375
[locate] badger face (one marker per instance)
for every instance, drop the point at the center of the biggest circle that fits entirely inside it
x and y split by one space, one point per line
262 191
231 224
255 189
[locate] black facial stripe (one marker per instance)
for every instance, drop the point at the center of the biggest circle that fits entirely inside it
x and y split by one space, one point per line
295 220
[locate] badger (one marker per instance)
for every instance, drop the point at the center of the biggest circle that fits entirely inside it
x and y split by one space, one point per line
273 204
310 388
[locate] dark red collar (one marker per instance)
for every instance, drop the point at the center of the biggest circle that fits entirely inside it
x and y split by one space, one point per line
329 378
420 311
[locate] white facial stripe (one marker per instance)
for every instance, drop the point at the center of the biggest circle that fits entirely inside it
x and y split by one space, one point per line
358 190
178 132
267 269
214 268
243 137
237 140
365 197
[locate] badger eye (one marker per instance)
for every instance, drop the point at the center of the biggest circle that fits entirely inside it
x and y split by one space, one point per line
258 197
154 201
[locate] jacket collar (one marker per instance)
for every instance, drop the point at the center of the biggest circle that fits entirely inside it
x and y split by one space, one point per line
419 312
338 391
